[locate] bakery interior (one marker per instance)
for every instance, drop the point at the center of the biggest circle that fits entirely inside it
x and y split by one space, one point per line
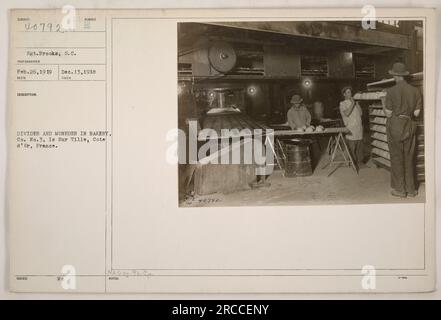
243 75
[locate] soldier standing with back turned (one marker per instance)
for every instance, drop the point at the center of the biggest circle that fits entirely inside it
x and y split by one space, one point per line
401 105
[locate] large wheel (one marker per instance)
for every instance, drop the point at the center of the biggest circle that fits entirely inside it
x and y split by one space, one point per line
222 56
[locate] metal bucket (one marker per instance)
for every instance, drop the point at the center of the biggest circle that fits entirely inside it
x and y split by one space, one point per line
298 162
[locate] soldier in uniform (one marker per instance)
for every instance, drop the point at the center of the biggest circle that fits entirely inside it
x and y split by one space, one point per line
401 105
298 115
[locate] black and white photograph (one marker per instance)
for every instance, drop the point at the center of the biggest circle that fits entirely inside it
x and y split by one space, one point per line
300 112
206 152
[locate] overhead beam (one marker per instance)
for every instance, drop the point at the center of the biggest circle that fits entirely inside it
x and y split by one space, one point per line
324 30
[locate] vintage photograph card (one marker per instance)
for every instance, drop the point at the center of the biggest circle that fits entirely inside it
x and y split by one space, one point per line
222 151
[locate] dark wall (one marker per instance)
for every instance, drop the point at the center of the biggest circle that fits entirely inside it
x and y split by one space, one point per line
270 100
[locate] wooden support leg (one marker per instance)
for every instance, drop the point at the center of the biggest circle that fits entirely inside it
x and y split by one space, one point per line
351 161
280 147
276 156
341 146
342 151
331 151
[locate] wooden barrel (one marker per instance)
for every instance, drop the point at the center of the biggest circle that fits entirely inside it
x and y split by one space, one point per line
298 162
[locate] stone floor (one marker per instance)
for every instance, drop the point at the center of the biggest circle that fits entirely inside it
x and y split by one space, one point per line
344 186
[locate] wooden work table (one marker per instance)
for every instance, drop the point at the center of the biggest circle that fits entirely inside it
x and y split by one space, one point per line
336 146
326 131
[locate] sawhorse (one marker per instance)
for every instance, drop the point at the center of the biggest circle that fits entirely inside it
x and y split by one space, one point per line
337 144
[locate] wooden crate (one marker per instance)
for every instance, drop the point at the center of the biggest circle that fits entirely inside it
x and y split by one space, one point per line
224 178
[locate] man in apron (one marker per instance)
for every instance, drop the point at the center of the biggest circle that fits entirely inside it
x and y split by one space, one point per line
351 114
298 115
401 105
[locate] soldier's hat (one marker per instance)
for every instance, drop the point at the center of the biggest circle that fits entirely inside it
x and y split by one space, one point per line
398 69
296 99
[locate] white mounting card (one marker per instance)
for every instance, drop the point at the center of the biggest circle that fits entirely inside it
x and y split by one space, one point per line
95 200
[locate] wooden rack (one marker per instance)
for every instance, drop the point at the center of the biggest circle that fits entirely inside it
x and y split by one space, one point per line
377 124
